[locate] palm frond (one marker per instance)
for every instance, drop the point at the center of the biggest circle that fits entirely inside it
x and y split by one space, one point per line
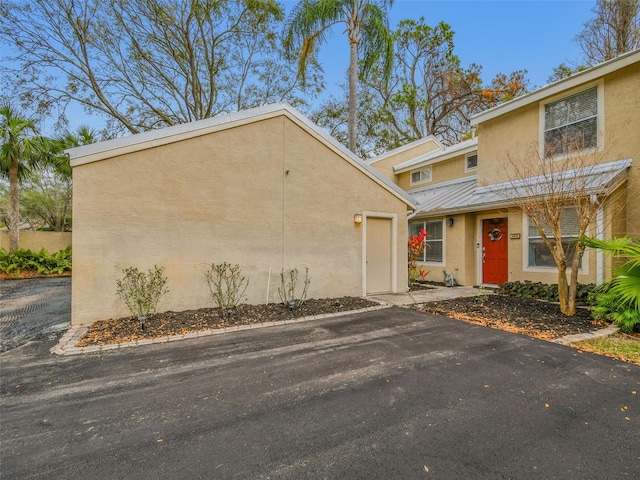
309 25
376 42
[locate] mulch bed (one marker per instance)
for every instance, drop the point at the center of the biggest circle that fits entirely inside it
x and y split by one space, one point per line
160 325
525 316
514 314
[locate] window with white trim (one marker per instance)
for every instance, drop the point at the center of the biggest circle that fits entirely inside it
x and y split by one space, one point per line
433 252
471 162
422 175
571 123
539 253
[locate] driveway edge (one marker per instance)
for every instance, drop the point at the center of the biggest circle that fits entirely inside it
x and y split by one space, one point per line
604 332
68 342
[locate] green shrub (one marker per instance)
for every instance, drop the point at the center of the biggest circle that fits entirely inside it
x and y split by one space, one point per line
619 299
227 285
543 291
608 308
141 292
39 262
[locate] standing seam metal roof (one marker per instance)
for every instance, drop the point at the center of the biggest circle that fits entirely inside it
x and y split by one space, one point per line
464 195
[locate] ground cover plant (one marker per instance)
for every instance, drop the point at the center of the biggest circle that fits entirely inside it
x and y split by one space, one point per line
24 263
543 291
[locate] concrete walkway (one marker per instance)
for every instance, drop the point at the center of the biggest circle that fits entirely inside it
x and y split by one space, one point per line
423 296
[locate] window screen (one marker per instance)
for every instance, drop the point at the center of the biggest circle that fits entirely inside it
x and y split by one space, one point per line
571 123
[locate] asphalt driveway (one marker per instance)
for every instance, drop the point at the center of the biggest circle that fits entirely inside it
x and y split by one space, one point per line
33 307
388 394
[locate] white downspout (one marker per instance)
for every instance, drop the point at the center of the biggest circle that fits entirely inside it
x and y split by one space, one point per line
599 251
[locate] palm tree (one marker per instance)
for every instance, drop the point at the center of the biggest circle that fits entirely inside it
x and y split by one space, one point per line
84 135
619 300
367 29
21 150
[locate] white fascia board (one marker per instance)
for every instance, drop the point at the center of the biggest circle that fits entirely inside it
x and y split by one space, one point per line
555 88
405 147
430 158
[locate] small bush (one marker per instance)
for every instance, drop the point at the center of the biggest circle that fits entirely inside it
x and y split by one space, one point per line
141 292
287 288
227 285
41 263
610 308
619 299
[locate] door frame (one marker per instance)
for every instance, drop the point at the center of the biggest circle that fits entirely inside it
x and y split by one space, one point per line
479 239
394 248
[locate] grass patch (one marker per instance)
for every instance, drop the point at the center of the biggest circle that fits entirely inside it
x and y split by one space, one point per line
622 347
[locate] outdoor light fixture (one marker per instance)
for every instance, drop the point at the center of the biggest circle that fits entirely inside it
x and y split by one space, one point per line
449 221
357 218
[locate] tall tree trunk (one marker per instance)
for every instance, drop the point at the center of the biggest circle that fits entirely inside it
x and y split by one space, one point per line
14 214
567 306
353 93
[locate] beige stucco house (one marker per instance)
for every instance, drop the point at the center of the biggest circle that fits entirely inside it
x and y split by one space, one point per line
466 192
263 188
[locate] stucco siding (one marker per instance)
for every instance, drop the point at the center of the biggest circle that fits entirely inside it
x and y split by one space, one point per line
622 134
511 136
506 137
442 171
266 195
385 162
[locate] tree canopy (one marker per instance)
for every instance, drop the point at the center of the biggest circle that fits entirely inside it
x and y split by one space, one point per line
367 29
614 30
149 63
429 92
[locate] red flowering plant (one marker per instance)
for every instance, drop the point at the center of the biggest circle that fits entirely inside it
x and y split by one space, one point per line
416 248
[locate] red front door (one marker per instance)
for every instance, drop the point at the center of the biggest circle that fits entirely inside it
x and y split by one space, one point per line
495 257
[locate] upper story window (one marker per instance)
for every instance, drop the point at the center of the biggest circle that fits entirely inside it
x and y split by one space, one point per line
571 123
422 175
471 162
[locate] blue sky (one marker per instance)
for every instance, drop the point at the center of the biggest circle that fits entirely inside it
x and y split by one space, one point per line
501 35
